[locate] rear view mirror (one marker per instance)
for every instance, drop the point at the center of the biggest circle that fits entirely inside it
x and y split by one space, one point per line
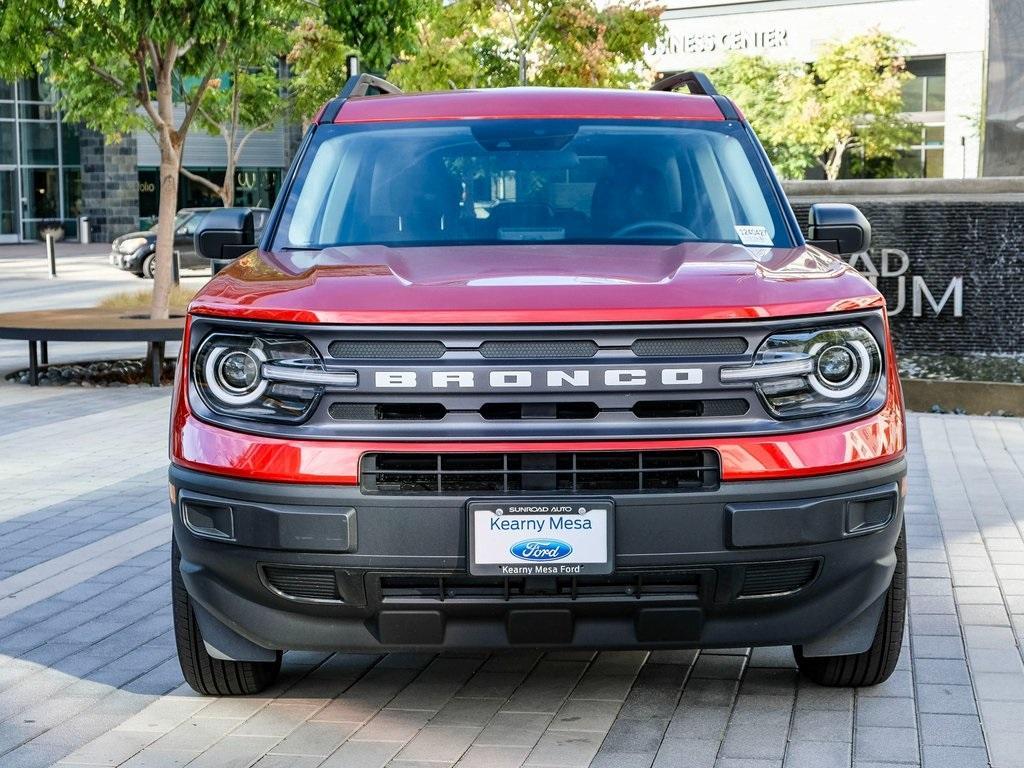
226 234
839 228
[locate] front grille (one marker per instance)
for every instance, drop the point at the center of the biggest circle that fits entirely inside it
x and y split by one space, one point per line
445 588
517 350
303 583
386 350
538 410
588 472
683 409
777 578
687 347
388 411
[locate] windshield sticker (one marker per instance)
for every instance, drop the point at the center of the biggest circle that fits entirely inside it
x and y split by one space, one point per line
753 235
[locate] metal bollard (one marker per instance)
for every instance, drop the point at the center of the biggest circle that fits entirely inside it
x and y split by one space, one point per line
176 267
51 254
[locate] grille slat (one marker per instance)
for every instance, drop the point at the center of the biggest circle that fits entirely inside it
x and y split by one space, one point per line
387 350
682 347
520 474
520 350
676 584
303 583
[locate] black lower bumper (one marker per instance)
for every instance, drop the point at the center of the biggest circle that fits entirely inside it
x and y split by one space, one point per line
327 568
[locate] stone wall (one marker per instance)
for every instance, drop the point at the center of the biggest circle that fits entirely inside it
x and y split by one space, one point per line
110 185
949 259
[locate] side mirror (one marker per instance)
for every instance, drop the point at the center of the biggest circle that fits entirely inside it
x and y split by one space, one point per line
839 228
226 234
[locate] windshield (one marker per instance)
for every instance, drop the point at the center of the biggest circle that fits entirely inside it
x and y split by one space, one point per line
180 218
530 181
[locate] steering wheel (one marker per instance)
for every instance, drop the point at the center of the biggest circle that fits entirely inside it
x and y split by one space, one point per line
670 226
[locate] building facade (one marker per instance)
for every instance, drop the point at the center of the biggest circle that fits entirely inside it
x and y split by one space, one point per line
947 46
54 172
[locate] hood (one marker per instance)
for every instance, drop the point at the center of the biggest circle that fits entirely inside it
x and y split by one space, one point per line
143 233
535 284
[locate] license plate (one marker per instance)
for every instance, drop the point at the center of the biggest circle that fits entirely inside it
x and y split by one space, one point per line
541 538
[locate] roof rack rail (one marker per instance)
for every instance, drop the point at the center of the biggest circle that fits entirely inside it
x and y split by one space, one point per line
357 85
698 84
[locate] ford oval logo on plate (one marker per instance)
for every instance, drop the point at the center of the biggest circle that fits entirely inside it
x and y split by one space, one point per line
540 550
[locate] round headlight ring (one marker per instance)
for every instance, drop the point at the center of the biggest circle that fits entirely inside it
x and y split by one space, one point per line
225 391
853 383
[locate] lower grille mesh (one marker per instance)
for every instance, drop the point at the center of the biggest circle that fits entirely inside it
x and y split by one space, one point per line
777 578
531 473
442 588
303 583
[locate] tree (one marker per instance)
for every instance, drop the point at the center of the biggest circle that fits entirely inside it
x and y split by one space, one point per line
116 64
317 62
235 107
848 99
379 29
762 89
488 43
856 99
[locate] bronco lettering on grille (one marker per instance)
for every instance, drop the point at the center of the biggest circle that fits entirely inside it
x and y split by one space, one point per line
553 379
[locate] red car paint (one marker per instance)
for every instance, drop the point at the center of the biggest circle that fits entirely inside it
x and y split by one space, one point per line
381 286
528 102
525 284
535 284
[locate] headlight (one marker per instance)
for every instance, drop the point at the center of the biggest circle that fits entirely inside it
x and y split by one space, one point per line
263 377
808 372
132 244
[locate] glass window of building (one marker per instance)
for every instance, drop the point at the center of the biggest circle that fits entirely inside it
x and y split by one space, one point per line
40 162
924 102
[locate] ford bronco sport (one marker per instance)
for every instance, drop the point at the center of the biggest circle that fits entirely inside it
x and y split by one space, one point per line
536 368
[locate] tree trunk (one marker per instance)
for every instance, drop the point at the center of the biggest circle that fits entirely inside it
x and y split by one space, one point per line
170 164
522 68
229 185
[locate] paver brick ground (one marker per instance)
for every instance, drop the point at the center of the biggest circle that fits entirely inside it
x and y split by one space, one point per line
88 674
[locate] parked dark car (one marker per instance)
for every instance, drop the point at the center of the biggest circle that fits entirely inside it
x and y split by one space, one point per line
135 251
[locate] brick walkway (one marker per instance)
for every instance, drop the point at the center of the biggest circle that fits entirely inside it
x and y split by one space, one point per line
88 674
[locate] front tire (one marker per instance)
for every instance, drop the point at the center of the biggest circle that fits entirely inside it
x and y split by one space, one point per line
149 267
877 663
207 675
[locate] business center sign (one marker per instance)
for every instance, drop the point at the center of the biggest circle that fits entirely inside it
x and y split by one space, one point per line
729 41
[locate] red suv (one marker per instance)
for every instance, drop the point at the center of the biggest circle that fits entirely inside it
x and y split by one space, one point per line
536 368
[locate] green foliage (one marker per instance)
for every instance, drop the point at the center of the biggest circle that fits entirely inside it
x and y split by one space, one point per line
257 92
762 89
117 63
317 63
488 43
848 100
379 29
856 100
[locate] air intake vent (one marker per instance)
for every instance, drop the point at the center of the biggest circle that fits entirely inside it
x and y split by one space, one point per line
449 588
766 579
388 411
386 350
298 583
531 473
684 409
511 350
689 347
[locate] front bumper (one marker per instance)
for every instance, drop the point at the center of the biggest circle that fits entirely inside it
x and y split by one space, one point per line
321 567
129 262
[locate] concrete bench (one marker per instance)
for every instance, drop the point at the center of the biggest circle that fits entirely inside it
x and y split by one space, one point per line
88 324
